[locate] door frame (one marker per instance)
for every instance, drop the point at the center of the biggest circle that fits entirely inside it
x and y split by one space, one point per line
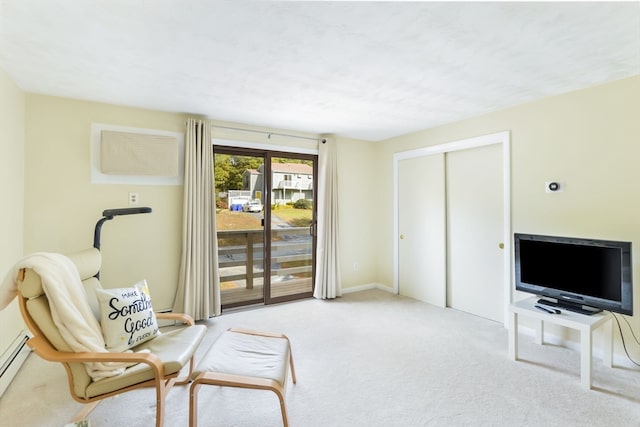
503 138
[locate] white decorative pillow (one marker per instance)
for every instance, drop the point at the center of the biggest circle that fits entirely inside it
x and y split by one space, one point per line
126 316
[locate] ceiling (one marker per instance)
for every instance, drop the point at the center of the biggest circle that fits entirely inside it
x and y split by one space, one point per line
366 70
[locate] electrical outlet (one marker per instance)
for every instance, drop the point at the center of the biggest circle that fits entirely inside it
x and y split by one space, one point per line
134 199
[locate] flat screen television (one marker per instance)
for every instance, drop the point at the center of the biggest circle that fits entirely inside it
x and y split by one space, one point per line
583 275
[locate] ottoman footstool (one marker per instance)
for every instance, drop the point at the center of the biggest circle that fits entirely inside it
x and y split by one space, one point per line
244 359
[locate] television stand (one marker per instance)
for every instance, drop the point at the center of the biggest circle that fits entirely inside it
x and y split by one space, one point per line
570 305
585 324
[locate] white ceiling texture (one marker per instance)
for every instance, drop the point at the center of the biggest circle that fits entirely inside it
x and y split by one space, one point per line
362 69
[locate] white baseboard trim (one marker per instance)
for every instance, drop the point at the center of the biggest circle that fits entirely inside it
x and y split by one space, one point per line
12 360
367 287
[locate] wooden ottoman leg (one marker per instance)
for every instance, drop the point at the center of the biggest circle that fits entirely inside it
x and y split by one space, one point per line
291 367
283 408
193 403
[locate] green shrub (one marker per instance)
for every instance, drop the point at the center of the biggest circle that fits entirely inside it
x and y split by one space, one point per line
302 204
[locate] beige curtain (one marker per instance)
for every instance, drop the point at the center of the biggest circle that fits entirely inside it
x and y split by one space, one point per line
328 283
198 291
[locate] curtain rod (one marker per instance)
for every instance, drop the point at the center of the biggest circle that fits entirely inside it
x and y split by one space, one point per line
270 133
323 140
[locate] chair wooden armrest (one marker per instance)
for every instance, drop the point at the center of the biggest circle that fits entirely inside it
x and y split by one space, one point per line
188 320
44 349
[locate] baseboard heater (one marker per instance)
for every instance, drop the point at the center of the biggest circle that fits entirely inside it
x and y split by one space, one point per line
12 360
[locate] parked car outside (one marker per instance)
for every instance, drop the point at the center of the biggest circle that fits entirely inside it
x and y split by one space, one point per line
254 205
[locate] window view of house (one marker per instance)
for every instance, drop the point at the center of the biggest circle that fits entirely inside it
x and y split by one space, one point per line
245 192
291 182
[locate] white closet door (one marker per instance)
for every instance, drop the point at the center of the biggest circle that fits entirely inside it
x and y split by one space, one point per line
421 221
475 282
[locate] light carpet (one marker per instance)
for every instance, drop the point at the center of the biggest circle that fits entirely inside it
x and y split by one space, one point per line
368 359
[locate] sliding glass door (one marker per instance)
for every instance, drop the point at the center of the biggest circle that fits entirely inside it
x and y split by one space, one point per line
240 227
292 227
264 196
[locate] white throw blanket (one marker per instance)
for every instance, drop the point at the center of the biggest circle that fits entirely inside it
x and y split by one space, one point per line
69 307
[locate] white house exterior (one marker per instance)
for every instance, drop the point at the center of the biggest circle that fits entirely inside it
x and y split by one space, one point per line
290 182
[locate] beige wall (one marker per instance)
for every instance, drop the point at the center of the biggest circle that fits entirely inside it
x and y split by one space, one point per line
587 139
62 206
12 120
358 203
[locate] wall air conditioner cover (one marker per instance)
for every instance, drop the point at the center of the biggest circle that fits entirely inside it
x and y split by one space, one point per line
124 153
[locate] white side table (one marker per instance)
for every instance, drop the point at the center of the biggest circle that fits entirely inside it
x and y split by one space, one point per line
586 324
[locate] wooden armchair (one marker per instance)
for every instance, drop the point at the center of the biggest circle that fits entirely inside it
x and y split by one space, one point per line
159 367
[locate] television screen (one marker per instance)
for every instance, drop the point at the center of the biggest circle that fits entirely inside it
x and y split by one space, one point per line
579 274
